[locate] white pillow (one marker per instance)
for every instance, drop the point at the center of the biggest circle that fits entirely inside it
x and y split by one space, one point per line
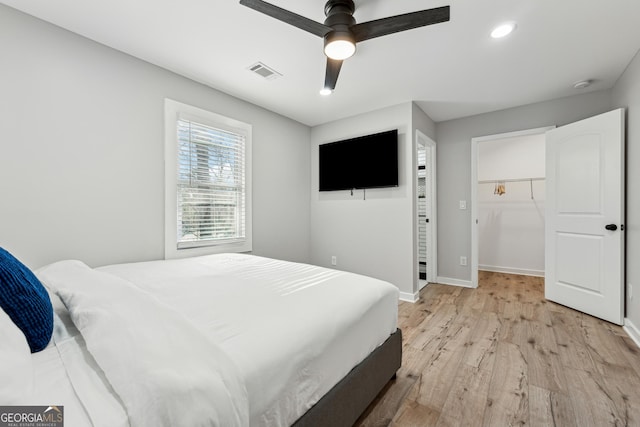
16 368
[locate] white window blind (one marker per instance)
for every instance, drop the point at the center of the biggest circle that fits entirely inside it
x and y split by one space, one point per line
211 191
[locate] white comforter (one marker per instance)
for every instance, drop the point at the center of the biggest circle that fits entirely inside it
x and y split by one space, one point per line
171 374
195 337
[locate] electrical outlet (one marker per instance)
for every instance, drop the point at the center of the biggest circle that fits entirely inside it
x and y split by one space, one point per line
334 260
463 260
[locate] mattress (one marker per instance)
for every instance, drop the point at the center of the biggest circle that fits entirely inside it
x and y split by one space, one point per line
292 330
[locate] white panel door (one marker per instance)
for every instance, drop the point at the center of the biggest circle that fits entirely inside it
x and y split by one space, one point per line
584 233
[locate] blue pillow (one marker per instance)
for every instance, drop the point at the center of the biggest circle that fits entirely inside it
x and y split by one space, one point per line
26 301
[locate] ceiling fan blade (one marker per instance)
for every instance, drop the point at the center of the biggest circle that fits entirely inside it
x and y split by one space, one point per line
290 18
395 24
331 76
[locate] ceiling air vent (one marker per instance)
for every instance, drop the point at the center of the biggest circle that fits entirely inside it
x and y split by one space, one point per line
264 71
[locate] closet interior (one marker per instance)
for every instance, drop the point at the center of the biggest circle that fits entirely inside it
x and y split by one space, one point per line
511 196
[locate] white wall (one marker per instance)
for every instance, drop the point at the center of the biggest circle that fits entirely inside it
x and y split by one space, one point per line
512 158
376 236
81 152
511 228
454 160
626 93
422 122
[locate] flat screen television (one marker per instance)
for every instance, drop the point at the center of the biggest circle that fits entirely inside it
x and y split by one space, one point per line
369 161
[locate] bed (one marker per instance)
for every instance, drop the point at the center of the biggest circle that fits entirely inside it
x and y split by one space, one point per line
228 339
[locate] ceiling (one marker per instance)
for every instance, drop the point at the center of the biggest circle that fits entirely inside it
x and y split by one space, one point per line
450 70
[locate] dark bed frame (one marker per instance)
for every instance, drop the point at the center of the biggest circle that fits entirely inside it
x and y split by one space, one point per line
348 399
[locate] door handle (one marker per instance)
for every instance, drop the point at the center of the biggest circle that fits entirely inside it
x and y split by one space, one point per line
611 227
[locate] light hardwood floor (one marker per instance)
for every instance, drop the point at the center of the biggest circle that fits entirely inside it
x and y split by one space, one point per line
501 355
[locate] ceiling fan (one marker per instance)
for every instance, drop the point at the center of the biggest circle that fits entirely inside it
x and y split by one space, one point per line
340 31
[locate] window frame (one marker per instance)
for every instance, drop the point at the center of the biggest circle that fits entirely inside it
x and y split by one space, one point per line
174 111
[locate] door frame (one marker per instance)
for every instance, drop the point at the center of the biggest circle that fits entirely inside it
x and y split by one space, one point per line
474 189
432 250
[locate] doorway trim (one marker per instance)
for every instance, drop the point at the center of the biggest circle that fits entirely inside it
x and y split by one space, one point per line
432 250
474 189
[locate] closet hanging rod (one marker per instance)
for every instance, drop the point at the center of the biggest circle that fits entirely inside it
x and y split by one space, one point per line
493 181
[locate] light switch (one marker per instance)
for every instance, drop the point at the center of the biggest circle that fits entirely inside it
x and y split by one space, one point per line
463 204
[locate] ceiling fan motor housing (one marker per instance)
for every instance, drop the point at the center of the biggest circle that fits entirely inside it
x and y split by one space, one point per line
339 6
339 15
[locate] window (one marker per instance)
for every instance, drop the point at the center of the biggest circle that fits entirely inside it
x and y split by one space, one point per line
208 182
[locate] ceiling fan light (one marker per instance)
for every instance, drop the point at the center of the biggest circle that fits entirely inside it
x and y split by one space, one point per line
337 46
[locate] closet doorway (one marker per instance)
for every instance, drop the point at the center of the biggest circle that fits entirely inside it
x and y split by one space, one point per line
426 209
507 203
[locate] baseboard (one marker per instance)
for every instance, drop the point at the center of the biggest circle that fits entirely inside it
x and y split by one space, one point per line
632 331
406 296
454 282
512 270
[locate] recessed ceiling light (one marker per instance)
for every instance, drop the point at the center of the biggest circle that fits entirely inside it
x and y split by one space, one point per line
325 91
503 30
